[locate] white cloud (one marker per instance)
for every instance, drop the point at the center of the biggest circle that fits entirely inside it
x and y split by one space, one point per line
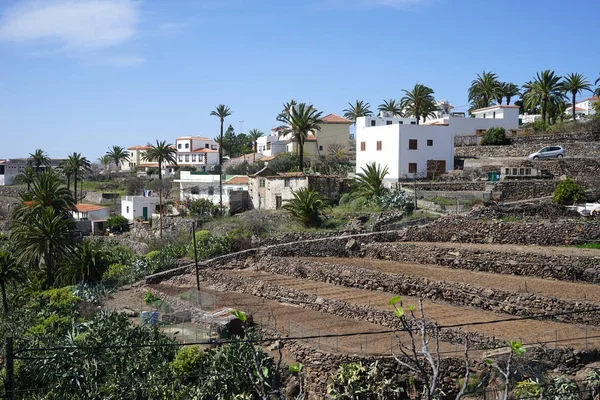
72 24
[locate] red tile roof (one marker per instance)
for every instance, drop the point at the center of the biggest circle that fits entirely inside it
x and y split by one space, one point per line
138 147
335 119
88 207
237 180
268 158
593 98
202 151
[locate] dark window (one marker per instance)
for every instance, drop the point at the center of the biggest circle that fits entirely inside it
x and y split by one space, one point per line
388 122
373 122
412 168
412 144
179 145
379 145
206 145
211 191
187 145
413 122
400 122
494 115
320 148
286 183
363 146
262 182
429 142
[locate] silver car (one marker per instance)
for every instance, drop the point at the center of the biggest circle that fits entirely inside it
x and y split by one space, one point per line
548 152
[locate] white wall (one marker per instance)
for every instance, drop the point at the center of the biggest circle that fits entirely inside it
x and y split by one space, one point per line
389 135
133 206
277 187
91 215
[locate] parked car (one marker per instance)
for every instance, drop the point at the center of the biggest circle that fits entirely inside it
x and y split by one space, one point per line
548 152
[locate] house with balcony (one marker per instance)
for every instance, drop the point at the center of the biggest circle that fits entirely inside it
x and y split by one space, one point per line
136 158
583 108
198 152
412 151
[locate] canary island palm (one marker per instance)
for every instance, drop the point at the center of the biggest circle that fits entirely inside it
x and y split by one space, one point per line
221 111
544 90
419 102
117 154
510 90
299 121
306 207
253 135
357 110
392 106
485 89
575 84
369 182
38 159
9 273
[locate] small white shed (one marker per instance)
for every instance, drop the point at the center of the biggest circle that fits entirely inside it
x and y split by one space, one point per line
133 207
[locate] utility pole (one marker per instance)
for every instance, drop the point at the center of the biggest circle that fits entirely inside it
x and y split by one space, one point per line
9 384
196 256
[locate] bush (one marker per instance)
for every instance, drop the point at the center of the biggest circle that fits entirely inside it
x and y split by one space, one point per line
203 209
307 207
355 381
209 246
118 274
284 162
568 191
188 362
117 223
495 137
396 200
240 239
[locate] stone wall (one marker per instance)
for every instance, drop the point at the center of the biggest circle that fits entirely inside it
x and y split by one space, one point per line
568 268
523 190
11 191
523 149
463 229
459 294
447 186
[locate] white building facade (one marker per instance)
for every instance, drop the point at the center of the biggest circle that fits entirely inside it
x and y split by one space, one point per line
138 207
410 151
270 145
199 152
135 159
583 108
194 185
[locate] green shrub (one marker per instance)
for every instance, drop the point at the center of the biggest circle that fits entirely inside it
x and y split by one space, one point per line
203 209
209 246
359 203
396 200
240 239
118 274
568 191
355 381
307 207
188 362
539 126
117 223
345 199
495 136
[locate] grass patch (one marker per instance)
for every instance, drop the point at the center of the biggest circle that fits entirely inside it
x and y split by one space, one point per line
593 245
510 218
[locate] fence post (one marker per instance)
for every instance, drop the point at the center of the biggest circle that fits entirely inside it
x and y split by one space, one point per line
391 345
586 339
556 339
9 384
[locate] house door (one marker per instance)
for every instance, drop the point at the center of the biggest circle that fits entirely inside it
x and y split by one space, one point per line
278 202
145 213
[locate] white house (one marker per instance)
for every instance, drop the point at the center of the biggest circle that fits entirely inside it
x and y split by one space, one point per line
133 207
196 151
271 144
409 150
9 169
90 212
135 159
196 185
529 118
583 107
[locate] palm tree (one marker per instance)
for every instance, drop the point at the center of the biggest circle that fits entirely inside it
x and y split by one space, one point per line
38 159
162 153
509 91
392 106
222 112
357 110
307 207
117 154
485 89
43 237
105 160
546 88
9 272
285 111
575 84
76 164
27 176
253 135
87 264
369 182
299 122
67 171
47 190
419 102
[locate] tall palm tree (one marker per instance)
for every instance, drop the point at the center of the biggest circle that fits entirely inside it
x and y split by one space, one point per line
509 91
162 153
9 273
543 90
253 135
65 167
299 122
47 190
27 177
391 105
575 84
42 237
419 102
221 112
38 159
117 154
285 111
357 110
485 89
77 165
105 160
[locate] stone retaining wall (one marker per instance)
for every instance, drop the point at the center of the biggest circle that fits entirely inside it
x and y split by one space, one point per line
542 233
568 268
523 149
458 294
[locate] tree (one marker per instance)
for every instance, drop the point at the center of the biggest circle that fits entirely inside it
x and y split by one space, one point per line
546 88
419 102
9 273
38 159
568 191
574 84
299 122
393 106
495 136
253 135
105 160
357 110
117 155
76 165
162 153
369 182
229 141
47 190
510 90
27 177
307 207
485 89
221 112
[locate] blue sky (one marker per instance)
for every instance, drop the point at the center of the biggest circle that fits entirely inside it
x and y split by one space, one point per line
82 75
